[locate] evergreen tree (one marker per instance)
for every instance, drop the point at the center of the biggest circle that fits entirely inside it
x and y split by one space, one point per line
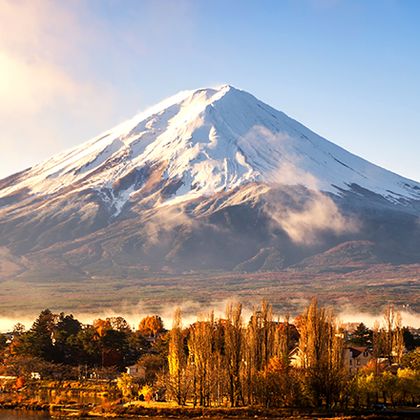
362 336
40 336
64 335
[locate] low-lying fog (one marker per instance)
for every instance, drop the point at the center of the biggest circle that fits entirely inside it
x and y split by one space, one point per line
194 310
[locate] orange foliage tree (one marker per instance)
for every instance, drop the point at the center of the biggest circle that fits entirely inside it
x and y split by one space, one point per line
102 326
151 326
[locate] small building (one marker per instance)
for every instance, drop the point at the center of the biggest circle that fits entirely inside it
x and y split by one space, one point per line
356 358
136 371
36 376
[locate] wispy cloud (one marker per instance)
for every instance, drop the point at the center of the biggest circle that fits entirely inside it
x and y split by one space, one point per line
297 204
41 47
45 78
306 222
70 69
160 225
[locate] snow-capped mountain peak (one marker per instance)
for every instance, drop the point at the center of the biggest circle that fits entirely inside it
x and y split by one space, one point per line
207 179
205 141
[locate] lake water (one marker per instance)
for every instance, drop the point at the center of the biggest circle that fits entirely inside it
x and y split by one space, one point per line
27 415
23 415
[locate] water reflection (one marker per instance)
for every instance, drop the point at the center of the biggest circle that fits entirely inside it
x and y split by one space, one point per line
23 415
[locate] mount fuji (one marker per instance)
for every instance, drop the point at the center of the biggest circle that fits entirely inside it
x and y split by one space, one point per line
210 179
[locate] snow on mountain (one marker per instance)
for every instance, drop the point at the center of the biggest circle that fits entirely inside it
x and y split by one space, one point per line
208 141
210 179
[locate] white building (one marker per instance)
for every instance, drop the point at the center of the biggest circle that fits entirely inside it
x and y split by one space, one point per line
136 371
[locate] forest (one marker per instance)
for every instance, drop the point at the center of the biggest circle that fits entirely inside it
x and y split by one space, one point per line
262 361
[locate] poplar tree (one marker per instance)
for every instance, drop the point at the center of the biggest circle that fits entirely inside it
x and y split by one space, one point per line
259 350
393 335
177 384
234 351
201 359
321 353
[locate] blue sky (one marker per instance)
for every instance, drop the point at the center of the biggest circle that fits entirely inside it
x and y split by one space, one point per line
349 70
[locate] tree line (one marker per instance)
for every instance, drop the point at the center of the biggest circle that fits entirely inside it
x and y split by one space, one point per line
57 342
228 361
265 362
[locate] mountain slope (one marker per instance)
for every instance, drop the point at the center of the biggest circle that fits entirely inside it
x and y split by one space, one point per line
210 178
211 140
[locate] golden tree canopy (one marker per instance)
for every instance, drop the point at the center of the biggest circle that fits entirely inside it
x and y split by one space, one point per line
102 326
151 326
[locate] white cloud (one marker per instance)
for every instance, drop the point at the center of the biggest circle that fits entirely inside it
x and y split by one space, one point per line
45 80
27 87
308 212
319 214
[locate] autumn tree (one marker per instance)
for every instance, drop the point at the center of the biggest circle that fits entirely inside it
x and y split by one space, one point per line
114 343
118 323
219 372
393 342
101 326
201 359
233 349
126 385
178 381
258 351
321 353
412 360
282 381
17 346
408 386
151 326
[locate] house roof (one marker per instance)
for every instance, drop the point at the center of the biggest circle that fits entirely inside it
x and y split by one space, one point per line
356 351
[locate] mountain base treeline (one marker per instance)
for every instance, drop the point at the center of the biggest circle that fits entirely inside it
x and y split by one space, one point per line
263 361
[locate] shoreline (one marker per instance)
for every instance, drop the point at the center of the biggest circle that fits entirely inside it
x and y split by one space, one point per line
135 411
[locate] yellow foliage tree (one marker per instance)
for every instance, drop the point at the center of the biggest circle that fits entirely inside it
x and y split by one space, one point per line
125 385
146 392
177 384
